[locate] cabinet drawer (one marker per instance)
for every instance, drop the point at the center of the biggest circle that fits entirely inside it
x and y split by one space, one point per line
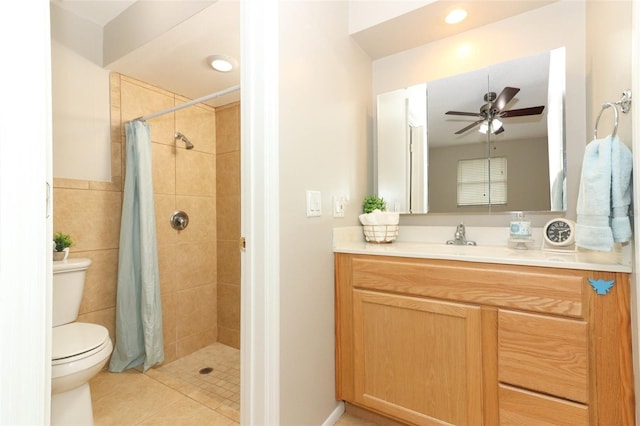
523 408
533 289
544 354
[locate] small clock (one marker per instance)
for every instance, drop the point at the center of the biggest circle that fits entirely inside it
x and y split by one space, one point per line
559 234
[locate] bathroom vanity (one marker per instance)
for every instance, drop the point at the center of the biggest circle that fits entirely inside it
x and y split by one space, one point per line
452 335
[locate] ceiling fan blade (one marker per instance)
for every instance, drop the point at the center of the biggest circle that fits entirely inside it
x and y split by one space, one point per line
522 111
504 98
469 127
471 114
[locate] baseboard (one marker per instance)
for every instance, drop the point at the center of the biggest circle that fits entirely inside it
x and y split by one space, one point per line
335 415
370 416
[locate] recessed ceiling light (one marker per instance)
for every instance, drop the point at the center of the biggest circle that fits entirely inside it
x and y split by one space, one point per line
222 63
455 16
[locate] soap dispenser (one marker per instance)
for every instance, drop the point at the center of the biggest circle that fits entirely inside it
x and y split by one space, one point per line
519 227
519 231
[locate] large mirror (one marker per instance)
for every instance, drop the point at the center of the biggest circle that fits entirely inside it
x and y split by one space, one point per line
491 140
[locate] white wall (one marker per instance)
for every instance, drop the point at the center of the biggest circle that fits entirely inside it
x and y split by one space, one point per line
81 116
325 113
608 63
80 96
559 24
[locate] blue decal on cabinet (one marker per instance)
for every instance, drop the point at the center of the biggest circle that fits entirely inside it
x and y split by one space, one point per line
601 286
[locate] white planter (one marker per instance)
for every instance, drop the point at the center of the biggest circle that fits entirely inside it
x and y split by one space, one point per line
61 255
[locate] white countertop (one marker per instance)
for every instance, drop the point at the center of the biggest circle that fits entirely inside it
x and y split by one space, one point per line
415 242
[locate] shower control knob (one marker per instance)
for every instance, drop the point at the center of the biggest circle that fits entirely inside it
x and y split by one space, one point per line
179 220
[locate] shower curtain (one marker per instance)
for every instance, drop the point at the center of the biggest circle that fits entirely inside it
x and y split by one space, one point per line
138 308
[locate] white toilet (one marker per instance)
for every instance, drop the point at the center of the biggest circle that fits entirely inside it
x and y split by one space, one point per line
79 350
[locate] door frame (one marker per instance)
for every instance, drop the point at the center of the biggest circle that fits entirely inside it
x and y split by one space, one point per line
260 286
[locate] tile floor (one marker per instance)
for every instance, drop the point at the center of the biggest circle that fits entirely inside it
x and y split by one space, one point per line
178 394
173 394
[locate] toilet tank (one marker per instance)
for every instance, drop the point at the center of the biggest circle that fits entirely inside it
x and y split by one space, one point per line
68 285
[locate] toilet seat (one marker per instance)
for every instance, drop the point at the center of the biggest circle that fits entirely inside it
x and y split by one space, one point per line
77 340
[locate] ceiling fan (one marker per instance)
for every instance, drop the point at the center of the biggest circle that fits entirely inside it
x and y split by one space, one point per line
491 112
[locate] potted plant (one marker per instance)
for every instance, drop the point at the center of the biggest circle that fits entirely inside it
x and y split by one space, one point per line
61 244
373 202
378 225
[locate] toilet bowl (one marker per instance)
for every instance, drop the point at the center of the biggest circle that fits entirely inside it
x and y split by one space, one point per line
79 350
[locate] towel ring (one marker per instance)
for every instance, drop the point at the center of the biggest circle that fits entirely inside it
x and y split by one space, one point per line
615 122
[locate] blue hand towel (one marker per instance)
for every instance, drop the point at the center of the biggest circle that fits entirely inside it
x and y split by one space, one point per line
605 195
593 230
621 166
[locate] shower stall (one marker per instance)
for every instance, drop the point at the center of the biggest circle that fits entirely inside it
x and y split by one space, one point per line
199 267
195 170
196 156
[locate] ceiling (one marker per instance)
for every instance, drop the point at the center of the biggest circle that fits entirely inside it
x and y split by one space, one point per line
175 60
426 24
98 12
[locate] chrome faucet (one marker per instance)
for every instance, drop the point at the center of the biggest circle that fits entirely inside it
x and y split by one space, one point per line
460 238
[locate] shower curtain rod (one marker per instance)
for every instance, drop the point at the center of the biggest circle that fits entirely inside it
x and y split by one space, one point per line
188 104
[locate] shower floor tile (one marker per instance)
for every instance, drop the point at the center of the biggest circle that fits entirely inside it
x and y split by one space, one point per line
173 394
210 376
177 394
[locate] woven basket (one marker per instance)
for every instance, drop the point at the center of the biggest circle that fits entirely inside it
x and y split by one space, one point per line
380 233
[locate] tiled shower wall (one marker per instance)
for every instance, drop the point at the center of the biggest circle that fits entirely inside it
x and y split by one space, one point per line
228 207
183 179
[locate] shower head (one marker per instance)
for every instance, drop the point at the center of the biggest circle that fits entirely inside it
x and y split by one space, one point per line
184 139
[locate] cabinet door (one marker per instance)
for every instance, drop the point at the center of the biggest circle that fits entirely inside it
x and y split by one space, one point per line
418 360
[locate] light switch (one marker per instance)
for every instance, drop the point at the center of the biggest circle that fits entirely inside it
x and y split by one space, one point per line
338 206
314 203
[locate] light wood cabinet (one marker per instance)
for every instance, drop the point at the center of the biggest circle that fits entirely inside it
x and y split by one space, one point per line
523 408
545 354
439 342
417 359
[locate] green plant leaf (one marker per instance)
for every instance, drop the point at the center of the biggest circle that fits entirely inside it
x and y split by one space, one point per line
62 241
373 202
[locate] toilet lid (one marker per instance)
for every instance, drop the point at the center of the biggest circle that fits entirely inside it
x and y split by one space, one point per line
76 338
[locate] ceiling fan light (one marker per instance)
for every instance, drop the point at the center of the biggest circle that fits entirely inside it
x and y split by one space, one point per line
495 125
484 128
456 16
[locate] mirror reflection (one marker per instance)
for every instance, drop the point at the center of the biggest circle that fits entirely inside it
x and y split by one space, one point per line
487 140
